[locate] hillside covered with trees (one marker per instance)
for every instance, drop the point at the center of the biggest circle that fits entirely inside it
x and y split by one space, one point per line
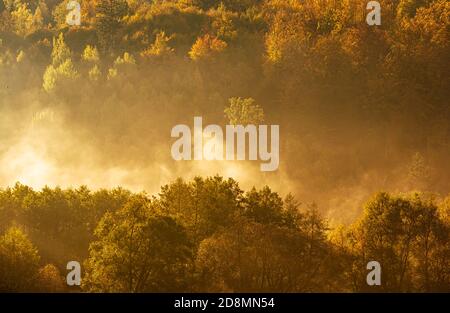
364 145
209 235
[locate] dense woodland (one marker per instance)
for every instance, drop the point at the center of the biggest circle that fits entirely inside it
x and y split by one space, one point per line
361 109
210 235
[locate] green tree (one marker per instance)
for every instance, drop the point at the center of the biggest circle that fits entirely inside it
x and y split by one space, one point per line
94 73
62 68
90 54
244 112
207 47
253 257
59 14
408 8
203 205
109 14
407 237
49 279
38 19
23 19
60 51
223 24
160 47
264 206
19 261
137 250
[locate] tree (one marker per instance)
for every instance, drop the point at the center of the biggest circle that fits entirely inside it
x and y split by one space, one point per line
204 205
60 13
109 14
94 73
62 69
44 11
60 51
207 47
124 65
10 5
50 78
6 21
49 279
407 237
23 19
408 8
223 24
249 256
160 47
235 5
90 54
244 112
19 261
137 250
38 19
58 222
263 206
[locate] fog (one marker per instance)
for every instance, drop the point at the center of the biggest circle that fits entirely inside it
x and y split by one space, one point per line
352 120
46 146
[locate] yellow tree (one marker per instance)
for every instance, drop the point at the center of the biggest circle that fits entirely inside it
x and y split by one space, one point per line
207 47
19 261
23 19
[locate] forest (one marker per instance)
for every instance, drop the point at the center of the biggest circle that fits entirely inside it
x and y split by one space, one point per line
209 235
86 172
